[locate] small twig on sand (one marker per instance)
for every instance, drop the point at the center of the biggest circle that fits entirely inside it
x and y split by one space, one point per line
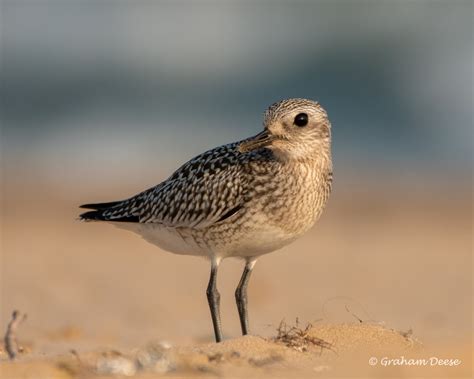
11 343
353 314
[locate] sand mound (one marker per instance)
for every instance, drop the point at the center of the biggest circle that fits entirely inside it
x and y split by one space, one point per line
367 338
321 350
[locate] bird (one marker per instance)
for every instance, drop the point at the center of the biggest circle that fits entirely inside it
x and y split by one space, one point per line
242 200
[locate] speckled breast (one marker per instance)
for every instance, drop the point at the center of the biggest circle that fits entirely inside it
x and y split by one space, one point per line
283 204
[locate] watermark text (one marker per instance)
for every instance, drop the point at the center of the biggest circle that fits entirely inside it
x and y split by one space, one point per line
404 361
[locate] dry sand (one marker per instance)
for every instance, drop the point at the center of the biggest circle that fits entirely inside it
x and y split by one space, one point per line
336 350
393 258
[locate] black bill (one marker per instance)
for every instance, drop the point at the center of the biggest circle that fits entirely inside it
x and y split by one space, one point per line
256 142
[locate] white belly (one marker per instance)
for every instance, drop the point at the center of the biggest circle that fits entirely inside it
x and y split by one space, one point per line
169 239
260 241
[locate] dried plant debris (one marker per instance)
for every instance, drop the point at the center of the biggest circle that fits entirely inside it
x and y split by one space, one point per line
11 342
298 338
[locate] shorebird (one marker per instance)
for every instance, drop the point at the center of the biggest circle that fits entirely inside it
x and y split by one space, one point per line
242 200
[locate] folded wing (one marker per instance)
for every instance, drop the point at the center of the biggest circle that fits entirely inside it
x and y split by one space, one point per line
205 190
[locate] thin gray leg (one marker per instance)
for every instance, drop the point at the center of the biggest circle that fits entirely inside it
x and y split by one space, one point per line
241 296
213 297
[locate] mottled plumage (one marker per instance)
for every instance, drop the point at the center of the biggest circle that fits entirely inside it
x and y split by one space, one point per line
243 199
196 195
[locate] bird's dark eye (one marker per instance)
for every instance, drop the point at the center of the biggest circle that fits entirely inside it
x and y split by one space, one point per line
301 119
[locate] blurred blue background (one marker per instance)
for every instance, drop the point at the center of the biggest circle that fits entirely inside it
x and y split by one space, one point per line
135 87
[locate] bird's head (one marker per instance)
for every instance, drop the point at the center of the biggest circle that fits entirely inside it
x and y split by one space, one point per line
294 129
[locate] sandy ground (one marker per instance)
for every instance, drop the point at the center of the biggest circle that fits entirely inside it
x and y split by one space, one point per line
385 273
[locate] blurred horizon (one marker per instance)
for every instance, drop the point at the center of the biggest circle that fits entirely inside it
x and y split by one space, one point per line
83 83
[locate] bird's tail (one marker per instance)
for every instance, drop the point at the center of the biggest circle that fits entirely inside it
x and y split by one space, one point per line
106 212
92 216
98 213
98 206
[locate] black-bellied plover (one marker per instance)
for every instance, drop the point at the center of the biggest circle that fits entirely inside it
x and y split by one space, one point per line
242 200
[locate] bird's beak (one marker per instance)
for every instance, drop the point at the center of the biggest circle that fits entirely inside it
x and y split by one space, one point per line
256 142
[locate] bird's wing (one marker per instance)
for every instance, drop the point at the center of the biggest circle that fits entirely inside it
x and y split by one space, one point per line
205 190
